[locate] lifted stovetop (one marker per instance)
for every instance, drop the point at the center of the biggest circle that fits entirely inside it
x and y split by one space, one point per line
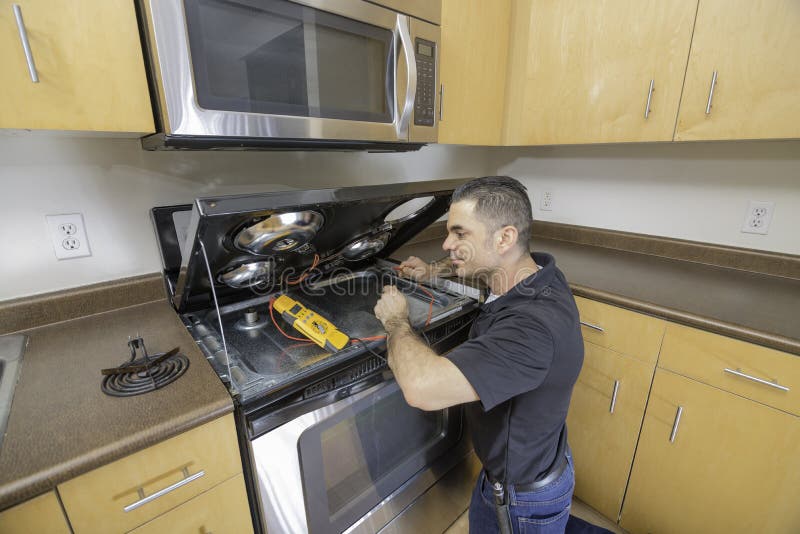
227 257
262 360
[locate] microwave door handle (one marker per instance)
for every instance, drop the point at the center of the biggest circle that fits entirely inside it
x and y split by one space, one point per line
402 28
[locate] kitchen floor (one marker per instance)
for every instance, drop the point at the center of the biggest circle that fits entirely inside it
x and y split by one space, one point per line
579 509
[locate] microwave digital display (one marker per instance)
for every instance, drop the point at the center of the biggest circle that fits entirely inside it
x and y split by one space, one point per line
424 50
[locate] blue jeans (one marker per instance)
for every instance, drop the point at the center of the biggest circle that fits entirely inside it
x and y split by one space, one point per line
543 511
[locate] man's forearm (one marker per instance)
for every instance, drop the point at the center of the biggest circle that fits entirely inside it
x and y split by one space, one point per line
409 358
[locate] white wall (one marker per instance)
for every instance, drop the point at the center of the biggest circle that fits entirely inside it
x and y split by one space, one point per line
690 191
114 183
695 191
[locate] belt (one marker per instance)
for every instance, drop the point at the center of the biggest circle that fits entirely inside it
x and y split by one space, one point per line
551 475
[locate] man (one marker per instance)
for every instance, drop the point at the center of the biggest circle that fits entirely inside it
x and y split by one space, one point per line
518 367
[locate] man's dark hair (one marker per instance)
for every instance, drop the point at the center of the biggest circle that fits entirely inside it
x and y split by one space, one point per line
500 201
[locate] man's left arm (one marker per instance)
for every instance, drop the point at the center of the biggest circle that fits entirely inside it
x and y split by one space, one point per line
427 380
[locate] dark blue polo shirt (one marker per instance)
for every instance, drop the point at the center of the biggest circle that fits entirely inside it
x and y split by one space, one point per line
523 355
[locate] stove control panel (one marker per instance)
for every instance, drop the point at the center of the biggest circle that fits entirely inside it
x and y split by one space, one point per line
444 337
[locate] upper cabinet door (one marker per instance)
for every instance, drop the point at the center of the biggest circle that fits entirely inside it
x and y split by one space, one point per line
474 55
73 65
581 72
749 49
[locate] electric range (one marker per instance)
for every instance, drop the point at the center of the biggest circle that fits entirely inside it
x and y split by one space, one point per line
230 261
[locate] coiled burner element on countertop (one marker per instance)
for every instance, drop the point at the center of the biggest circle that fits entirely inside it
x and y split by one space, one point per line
143 374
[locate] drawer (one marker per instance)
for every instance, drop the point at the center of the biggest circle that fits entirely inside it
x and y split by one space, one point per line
222 509
705 357
169 473
42 515
621 330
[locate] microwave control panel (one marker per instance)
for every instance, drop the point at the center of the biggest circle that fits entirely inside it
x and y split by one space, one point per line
425 52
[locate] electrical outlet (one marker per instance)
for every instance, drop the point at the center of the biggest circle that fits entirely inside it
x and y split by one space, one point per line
546 201
758 217
68 233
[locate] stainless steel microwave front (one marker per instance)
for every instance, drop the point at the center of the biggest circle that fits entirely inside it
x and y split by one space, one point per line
300 69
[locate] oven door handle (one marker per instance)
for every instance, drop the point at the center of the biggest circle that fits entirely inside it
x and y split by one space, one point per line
402 30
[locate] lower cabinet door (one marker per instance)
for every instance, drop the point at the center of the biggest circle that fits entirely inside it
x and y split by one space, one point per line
42 515
604 419
221 509
710 461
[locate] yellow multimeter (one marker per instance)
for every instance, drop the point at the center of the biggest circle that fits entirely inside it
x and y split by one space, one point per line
312 325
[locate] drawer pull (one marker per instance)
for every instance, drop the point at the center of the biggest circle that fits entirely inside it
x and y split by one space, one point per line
737 372
649 99
711 92
614 396
144 500
26 46
592 326
675 424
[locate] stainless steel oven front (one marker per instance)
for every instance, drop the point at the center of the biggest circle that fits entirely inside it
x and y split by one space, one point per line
356 463
299 69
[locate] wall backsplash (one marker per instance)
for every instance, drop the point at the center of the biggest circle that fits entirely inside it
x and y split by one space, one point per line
114 183
689 191
694 191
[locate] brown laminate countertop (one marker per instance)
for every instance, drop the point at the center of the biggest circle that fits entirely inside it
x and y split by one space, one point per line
62 425
753 307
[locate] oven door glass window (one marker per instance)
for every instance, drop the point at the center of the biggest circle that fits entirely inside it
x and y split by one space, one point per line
361 455
280 58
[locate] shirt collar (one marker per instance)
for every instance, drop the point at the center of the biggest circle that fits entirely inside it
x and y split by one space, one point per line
530 287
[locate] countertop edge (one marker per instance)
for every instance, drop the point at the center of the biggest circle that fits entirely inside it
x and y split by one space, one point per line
736 331
23 489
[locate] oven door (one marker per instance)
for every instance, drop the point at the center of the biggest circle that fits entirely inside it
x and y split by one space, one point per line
326 469
300 69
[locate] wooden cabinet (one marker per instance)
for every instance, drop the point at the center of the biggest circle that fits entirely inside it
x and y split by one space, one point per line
88 59
609 399
758 373
222 509
624 331
138 488
727 464
580 72
474 50
604 419
42 515
752 47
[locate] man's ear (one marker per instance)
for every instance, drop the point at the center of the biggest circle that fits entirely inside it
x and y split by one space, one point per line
506 239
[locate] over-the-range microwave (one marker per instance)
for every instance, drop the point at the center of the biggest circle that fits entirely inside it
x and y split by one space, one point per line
262 74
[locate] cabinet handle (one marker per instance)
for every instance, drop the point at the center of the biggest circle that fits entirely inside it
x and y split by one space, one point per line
441 101
675 424
144 500
23 36
711 92
592 326
649 98
614 396
738 372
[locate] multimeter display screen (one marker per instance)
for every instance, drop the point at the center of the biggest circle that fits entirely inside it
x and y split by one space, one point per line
295 309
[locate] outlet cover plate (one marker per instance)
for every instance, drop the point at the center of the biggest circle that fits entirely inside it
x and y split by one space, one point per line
68 234
758 217
546 201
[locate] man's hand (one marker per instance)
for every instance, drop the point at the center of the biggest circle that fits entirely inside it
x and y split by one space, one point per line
392 309
416 269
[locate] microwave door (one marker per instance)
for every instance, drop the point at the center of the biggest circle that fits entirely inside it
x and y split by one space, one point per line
302 69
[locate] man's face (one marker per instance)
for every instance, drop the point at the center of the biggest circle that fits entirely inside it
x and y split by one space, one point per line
469 241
